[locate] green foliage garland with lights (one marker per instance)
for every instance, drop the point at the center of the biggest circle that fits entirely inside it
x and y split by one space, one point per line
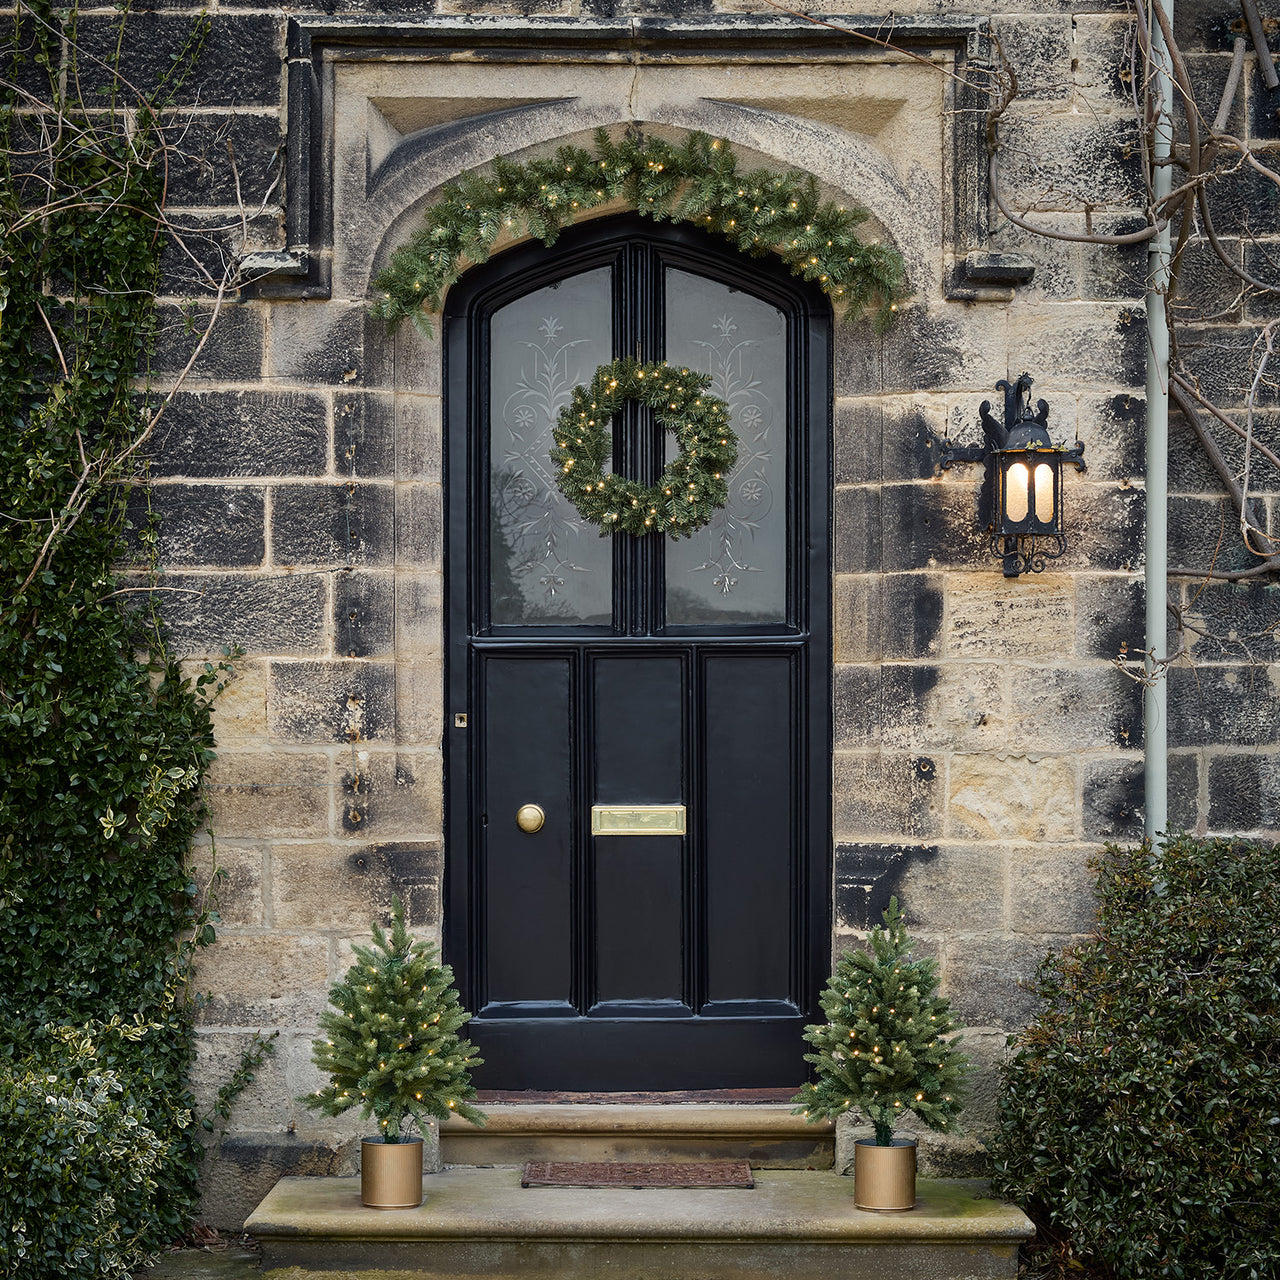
697 181
882 1050
390 1044
689 491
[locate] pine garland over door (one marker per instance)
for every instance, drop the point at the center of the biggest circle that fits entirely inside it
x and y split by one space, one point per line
698 181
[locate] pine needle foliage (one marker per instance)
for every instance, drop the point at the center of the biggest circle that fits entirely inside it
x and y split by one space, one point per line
696 181
390 1044
882 1049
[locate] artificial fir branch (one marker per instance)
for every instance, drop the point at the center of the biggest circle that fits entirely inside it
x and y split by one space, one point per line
697 181
390 1044
882 1048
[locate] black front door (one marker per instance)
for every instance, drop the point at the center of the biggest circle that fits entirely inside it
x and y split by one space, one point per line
662 702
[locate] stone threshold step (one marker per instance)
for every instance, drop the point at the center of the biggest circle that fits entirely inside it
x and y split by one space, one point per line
480 1222
767 1135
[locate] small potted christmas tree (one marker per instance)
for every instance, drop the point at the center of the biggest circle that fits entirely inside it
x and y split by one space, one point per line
390 1046
882 1051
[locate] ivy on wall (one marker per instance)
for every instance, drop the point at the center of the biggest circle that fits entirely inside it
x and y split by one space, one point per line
103 742
698 181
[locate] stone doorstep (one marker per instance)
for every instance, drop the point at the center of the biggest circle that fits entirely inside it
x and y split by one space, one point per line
767 1135
479 1222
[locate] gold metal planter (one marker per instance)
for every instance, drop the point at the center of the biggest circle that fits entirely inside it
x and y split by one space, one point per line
391 1173
884 1177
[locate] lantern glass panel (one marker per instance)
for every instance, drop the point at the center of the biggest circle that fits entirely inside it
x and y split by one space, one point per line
1044 493
1017 497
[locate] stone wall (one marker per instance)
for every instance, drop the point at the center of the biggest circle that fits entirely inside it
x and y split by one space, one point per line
986 742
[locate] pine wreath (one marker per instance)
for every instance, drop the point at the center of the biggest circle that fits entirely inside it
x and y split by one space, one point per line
697 181
693 486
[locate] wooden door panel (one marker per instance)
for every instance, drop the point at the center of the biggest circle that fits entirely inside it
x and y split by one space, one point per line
749 792
528 877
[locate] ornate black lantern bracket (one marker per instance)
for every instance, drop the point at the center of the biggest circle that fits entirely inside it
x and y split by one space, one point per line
1021 501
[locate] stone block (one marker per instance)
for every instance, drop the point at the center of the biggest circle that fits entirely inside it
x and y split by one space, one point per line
1190 470
1099 343
1080 709
1011 797
335 701
364 435
420 710
1115 272
948 707
1244 793
1113 429
260 795
419 451
419 525
206 613
389 796
1114 798
1102 75
250 1164
1110 616
1186 813
1204 534
931 524
266 980
364 614
202 249
350 523
857 530
1227 706
985 979
1264 104
1039 50
1221 360
1260 258
240 710
418 360
866 877
1051 889
857 437
233 352
214 149
328 342
856 699
1051 159
236 894
891 795
212 434
959 890
238 64
1209 292
911 609
1241 622
208 524
327 886
907 452
419 620
1244 202
1105 527
266 1103
989 616
856 612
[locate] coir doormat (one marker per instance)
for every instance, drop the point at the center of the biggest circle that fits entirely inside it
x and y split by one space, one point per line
581 1173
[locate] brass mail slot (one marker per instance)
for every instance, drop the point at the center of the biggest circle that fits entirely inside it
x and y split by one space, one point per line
637 820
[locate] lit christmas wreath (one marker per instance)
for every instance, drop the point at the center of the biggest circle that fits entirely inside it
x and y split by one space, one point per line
694 485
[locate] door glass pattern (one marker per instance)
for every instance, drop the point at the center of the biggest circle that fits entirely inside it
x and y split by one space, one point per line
734 570
547 565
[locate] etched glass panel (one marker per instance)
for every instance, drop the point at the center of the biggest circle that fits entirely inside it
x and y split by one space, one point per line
735 568
546 565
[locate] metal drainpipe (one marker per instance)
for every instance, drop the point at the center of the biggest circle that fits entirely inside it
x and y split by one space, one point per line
1156 701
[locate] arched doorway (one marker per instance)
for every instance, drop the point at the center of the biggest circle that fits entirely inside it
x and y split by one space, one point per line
595 677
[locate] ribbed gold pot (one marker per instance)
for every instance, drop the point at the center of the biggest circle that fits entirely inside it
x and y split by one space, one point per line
391 1173
884 1177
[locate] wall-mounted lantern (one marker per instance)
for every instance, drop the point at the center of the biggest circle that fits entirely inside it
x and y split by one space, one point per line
1021 502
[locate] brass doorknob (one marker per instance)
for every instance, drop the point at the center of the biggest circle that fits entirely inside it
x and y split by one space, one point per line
529 817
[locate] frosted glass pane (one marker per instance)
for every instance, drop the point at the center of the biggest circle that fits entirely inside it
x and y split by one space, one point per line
547 565
735 568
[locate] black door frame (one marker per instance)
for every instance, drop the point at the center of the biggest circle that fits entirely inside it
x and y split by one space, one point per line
465 318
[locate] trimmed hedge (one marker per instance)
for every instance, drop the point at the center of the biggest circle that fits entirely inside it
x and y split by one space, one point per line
1140 1112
